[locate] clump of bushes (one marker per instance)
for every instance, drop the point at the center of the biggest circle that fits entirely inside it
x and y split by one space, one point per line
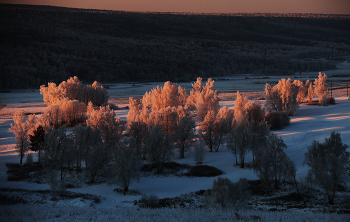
6 200
204 171
277 120
164 168
149 201
331 100
18 172
227 194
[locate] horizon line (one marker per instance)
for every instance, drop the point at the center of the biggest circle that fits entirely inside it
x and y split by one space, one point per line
188 12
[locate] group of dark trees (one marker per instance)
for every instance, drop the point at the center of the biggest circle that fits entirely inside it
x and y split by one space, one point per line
48 44
327 162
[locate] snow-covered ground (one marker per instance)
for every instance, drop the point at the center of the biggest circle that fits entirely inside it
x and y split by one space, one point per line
310 123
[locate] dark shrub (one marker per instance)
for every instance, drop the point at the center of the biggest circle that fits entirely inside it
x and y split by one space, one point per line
277 120
5 200
18 172
204 171
164 168
331 100
227 194
149 201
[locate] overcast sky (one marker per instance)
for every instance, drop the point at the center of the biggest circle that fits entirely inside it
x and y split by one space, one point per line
204 6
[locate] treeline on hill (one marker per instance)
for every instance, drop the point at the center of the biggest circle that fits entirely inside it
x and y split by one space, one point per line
48 44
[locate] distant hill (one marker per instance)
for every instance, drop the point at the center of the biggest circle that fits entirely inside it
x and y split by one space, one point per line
45 43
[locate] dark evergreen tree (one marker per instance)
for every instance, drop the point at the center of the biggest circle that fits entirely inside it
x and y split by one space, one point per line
36 140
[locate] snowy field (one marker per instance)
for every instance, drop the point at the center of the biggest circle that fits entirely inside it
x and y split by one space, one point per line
310 123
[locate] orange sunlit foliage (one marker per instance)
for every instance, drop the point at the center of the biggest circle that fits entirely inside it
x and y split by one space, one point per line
282 97
73 89
162 105
20 129
104 119
169 108
204 98
321 88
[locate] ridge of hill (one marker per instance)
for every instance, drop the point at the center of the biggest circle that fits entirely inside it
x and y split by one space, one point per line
43 44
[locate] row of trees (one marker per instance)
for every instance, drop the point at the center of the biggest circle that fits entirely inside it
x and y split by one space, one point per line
168 110
164 119
63 150
287 95
67 104
326 160
164 111
73 89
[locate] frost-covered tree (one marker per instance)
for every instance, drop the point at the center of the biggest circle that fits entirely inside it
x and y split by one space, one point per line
103 119
206 130
32 124
223 125
95 94
126 163
321 86
303 89
239 141
255 112
207 100
134 112
282 97
196 89
269 162
289 172
73 111
139 131
57 156
64 112
159 146
184 135
310 93
52 117
227 194
83 139
327 162
52 94
204 98
20 129
95 155
182 94
168 118
199 152
240 103
162 97
159 98
73 89
259 136
158 107
156 118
